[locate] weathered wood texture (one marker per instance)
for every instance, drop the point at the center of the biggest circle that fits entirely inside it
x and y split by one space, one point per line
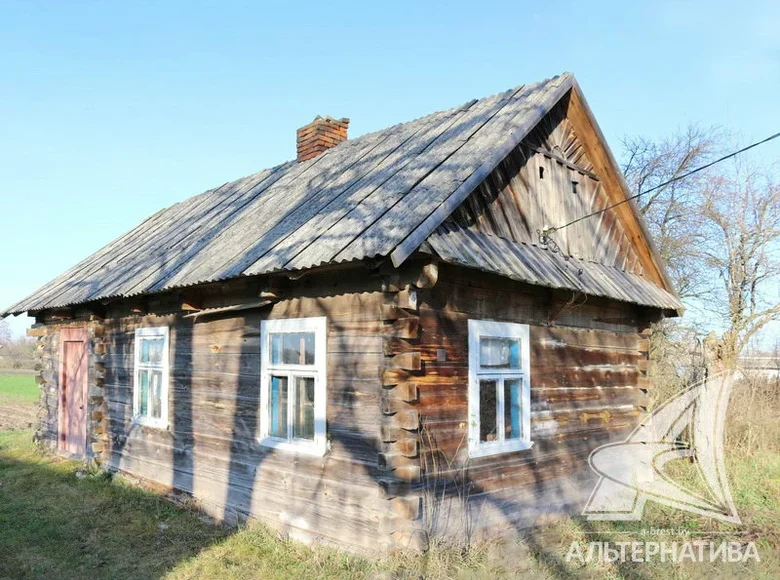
211 449
588 365
548 180
396 470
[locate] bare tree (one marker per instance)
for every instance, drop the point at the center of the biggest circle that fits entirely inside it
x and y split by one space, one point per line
5 332
669 208
740 226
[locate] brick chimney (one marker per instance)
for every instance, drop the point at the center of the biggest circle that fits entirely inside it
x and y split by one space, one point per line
319 135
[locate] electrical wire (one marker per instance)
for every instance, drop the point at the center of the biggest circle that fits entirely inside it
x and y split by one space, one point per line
546 232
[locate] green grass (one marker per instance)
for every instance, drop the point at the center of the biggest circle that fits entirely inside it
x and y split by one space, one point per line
54 524
19 388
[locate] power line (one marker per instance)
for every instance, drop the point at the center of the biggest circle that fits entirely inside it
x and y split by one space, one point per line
546 232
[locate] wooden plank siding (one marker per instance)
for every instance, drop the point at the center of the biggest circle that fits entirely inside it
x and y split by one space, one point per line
532 188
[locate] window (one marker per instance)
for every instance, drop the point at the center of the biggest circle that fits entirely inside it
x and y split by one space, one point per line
499 388
150 381
293 384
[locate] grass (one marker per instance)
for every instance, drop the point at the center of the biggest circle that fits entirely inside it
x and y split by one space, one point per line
58 519
19 388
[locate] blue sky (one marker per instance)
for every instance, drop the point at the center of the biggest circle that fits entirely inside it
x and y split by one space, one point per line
112 111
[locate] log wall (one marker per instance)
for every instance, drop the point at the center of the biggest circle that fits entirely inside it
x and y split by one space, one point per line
588 387
397 469
211 449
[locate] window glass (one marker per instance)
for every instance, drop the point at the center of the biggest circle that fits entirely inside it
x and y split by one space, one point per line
303 426
499 387
152 350
293 384
143 380
151 376
512 417
156 394
277 408
487 410
292 348
499 353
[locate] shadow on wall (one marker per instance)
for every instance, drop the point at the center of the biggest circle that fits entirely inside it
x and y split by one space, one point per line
244 457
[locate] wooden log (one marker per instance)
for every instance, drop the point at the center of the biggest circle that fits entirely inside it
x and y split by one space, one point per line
408 508
408 473
408 420
395 376
390 433
191 304
392 460
406 299
428 276
407 360
406 391
391 312
390 487
392 283
391 406
406 447
405 328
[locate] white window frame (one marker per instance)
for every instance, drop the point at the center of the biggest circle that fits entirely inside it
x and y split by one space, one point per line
152 332
487 328
317 325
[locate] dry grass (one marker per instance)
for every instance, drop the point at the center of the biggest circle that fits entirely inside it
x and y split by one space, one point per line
56 524
752 423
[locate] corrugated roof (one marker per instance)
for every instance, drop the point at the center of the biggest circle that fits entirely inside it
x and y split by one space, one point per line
380 194
540 266
359 199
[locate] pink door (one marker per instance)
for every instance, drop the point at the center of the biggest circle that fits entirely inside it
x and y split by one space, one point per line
73 391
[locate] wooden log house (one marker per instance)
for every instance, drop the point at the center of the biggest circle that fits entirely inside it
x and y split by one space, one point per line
371 345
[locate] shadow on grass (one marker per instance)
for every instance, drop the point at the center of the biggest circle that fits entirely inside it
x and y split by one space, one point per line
56 524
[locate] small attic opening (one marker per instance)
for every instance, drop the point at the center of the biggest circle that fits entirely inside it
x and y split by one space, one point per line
574 185
541 172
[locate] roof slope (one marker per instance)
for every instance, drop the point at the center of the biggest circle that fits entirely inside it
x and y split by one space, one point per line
359 199
380 194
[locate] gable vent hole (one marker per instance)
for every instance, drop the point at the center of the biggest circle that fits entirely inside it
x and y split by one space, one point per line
574 185
541 172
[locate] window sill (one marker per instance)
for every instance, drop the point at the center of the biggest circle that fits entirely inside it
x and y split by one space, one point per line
302 448
486 449
151 423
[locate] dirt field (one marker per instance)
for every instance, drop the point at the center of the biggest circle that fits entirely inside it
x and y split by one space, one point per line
16 415
18 401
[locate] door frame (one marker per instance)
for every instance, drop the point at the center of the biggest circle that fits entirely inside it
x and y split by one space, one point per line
76 334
